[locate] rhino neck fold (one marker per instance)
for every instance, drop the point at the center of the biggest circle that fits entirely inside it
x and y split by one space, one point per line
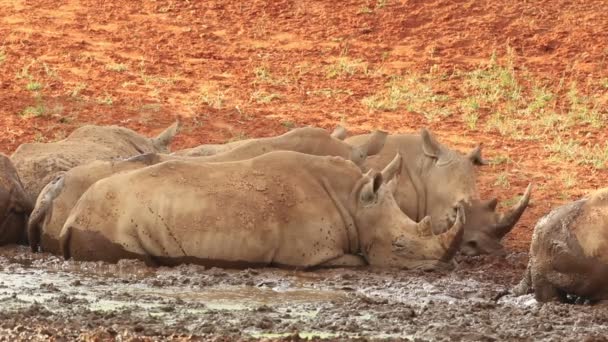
415 175
349 223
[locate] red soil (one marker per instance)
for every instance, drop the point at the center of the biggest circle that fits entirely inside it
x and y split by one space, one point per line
172 49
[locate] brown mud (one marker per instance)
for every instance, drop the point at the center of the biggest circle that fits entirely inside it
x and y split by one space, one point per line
46 298
236 69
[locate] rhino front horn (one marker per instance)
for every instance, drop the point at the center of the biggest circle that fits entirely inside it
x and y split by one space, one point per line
451 239
509 219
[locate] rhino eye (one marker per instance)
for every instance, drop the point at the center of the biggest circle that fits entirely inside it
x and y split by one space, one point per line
472 244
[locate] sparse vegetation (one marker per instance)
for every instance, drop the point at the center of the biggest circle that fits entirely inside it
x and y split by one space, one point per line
33 86
117 67
261 96
595 155
330 92
2 56
211 96
106 100
345 66
502 180
412 93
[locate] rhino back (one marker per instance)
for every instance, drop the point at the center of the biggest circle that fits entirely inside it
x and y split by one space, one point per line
253 211
591 227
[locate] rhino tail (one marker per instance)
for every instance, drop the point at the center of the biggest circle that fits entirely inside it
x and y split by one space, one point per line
164 139
64 241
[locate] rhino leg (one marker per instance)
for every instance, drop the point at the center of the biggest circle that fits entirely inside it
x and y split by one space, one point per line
545 290
346 260
525 285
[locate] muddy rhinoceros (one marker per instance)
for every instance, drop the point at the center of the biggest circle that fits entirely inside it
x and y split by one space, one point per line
14 206
569 252
59 196
287 141
38 163
437 179
486 227
282 208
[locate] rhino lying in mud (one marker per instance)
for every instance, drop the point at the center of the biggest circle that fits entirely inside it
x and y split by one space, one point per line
569 252
435 180
282 208
287 138
38 163
485 227
60 195
14 206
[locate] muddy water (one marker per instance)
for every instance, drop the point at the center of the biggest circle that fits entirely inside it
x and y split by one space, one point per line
44 297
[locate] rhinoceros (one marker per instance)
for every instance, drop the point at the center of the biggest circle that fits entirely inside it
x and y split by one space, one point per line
14 206
59 196
279 209
38 163
569 252
485 226
437 180
214 149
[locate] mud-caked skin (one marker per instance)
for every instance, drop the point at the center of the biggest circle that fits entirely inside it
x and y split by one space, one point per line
485 226
14 206
59 196
309 140
569 252
282 208
39 163
436 178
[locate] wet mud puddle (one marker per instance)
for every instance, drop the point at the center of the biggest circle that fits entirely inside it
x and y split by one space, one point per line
273 303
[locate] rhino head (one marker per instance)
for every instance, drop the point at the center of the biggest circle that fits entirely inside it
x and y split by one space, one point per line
14 206
485 227
446 179
389 238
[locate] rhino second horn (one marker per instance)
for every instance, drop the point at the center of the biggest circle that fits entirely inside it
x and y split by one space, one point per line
508 220
451 239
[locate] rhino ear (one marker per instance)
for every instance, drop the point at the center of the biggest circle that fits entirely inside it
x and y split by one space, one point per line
339 132
475 156
491 204
163 140
374 144
393 168
430 146
369 190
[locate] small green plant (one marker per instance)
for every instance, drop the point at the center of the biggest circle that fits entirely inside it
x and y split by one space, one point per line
381 3
33 86
365 10
344 66
211 97
470 119
329 92
116 67
414 93
289 124
34 111
501 159
502 180
106 100
75 93
260 96
2 56
569 180
594 155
